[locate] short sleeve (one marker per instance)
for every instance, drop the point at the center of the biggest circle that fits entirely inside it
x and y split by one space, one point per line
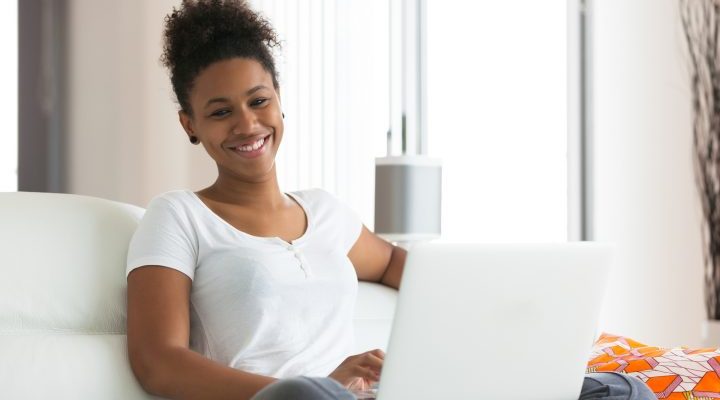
350 223
164 237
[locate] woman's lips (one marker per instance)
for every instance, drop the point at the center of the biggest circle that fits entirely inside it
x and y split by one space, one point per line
253 150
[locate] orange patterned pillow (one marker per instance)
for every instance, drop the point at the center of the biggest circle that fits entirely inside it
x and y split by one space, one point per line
676 374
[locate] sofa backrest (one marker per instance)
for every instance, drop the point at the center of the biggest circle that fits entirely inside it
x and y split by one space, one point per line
62 298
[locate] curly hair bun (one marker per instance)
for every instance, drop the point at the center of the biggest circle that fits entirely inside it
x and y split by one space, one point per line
202 32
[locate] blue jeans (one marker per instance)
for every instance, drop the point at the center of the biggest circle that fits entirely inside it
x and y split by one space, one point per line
304 388
614 386
597 386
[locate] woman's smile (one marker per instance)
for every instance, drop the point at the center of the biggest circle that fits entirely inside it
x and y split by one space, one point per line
251 148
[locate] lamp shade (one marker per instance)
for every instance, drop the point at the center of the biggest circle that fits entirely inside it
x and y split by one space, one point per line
408 197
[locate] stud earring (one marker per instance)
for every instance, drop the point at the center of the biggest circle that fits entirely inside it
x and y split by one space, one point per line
283 114
194 139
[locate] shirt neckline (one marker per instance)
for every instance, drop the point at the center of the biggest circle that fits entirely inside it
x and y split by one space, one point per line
266 239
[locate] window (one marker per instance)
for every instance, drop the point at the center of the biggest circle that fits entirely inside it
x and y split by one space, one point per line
497 91
497 112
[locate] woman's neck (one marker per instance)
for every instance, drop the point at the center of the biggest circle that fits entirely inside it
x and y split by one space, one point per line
262 195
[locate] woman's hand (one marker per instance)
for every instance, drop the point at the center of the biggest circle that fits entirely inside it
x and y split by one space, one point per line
360 371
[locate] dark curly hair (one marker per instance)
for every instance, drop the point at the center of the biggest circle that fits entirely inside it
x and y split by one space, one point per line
202 32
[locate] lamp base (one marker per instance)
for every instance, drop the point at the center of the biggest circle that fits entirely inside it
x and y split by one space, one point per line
408 197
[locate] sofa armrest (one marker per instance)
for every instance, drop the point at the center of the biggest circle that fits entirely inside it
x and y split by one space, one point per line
374 313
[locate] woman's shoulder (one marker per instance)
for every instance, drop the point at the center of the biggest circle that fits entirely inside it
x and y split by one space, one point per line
173 210
316 197
322 202
171 198
174 201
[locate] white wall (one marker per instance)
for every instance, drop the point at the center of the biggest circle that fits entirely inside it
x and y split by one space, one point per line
125 142
645 199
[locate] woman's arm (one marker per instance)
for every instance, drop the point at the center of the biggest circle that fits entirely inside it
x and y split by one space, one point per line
376 260
158 336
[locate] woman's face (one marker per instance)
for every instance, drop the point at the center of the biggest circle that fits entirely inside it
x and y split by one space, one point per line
237 118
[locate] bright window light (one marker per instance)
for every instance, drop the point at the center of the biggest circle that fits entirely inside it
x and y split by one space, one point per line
497 94
8 96
497 80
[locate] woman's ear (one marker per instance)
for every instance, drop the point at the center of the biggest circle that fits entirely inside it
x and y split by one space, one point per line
186 122
280 102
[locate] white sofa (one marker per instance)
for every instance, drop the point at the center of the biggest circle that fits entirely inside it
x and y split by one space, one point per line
62 298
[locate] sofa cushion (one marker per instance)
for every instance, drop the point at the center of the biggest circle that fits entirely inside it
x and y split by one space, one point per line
679 373
374 313
63 262
57 366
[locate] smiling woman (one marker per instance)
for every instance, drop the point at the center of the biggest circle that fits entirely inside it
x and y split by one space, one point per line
237 287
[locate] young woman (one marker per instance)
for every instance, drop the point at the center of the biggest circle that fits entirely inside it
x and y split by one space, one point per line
240 290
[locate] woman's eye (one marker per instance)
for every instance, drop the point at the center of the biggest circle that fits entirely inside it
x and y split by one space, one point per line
258 102
220 113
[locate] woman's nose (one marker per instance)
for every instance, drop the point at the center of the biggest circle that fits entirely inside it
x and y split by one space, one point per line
245 121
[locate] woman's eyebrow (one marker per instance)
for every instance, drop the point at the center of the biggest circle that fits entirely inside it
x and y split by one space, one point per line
216 100
255 89
226 100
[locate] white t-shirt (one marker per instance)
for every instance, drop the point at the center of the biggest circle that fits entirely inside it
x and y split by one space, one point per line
259 304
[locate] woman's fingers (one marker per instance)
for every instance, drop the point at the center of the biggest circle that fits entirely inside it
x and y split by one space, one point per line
378 353
360 369
357 384
366 373
373 361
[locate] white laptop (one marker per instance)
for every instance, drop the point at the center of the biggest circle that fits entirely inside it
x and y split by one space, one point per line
501 321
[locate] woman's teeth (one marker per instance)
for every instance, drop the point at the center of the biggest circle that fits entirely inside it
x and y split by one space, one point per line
251 147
